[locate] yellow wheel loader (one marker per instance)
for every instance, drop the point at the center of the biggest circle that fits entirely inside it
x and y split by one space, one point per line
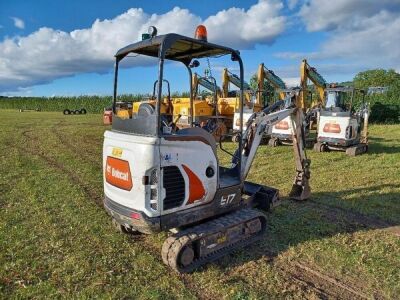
159 178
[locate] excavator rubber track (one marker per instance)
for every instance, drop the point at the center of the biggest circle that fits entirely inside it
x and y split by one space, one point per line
193 247
357 150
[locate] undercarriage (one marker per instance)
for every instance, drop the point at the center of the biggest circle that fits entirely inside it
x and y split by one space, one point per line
204 243
351 150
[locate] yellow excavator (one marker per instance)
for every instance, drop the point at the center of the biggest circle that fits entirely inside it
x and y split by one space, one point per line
251 103
213 112
231 98
203 107
310 73
257 103
229 77
265 74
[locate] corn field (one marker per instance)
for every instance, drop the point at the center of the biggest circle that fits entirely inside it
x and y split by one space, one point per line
92 104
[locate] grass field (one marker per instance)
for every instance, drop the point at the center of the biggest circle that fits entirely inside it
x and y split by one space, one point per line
57 241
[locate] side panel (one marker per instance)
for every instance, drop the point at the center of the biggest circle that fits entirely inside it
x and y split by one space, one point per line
236 119
192 158
345 128
283 128
139 156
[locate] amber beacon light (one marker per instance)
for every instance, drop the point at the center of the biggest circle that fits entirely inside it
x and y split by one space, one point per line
201 33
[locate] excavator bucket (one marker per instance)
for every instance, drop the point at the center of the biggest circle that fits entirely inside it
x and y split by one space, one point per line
300 192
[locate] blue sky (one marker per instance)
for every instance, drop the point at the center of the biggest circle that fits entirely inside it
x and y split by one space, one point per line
66 47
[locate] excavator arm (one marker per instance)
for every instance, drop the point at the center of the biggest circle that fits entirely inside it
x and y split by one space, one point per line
308 72
263 122
208 83
264 73
228 77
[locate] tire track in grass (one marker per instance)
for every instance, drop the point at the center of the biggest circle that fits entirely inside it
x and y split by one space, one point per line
91 157
65 142
307 279
333 213
323 285
89 192
327 287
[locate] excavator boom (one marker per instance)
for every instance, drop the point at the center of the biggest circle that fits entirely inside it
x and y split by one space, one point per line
228 77
278 84
308 72
263 122
204 82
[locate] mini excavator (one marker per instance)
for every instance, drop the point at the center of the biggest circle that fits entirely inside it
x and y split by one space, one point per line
340 126
158 177
282 132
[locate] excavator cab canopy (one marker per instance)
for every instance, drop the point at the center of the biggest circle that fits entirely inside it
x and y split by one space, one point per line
176 47
150 120
339 98
173 47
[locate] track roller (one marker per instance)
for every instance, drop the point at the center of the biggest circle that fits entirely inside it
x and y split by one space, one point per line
193 247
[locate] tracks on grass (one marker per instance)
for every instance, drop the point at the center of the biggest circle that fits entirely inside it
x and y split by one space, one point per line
321 284
333 213
325 286
34 150
87 155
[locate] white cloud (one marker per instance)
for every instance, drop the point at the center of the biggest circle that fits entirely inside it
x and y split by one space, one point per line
291 81
292 3
261 23
364 39
327 15
48 54
19 23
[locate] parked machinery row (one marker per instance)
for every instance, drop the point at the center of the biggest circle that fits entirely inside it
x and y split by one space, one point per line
332 122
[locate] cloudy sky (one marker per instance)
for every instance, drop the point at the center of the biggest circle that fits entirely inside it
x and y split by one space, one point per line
50 47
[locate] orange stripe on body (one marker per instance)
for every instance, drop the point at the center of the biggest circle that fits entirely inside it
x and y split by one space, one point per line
196 188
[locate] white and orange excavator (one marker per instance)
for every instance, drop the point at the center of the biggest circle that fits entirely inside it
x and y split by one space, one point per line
159 178
282 132
340 126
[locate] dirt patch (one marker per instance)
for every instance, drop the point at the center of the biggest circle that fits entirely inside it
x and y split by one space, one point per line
394 230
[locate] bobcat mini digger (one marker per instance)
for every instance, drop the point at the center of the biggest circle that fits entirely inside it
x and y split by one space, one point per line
159 178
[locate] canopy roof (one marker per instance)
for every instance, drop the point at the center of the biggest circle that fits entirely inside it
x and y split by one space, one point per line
175 47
